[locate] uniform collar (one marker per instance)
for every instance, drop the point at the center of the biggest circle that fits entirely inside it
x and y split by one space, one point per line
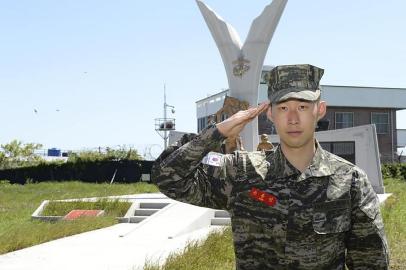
280 167
319 166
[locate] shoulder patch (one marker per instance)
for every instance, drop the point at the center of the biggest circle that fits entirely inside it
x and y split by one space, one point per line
213 159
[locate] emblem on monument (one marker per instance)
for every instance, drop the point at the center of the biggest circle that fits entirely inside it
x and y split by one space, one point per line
240 66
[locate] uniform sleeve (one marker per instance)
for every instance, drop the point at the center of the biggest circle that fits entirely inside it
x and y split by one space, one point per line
367 247
180 174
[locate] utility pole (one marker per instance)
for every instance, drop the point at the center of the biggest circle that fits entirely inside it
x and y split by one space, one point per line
165 119
163 125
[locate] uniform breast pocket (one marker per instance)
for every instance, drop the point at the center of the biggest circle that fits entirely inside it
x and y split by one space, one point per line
331 221
332 217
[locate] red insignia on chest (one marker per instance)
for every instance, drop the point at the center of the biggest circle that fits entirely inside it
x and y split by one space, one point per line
263 196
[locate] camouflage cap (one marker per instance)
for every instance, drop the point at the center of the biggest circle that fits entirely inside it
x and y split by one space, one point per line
294 81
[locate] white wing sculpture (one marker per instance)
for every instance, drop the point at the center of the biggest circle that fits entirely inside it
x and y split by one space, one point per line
243 62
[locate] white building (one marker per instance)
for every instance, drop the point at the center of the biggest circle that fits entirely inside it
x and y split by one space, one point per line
348 106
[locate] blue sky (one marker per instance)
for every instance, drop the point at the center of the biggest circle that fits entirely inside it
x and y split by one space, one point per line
95 70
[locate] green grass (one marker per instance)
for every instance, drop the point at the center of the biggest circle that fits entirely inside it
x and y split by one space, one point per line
217 252
394 216
113 208
18 202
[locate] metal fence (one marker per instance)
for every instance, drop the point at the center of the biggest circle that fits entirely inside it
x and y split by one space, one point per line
123 171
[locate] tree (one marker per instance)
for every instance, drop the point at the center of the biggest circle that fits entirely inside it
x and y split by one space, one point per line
17 154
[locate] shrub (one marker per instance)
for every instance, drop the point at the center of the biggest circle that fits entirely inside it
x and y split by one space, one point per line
394 170
402 170
106 155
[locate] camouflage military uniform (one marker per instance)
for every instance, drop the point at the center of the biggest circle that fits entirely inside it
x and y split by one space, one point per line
324 218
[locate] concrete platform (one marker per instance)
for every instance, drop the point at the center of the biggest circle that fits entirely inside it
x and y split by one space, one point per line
125 246
382 197
100 249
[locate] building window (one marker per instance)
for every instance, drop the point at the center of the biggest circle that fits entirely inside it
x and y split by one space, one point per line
381 121
224 116
344 119
346 150
198 124
323 124
201 123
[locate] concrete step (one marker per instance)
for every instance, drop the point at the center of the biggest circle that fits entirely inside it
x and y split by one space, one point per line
221 221
152 205
137 219
145 212
221 214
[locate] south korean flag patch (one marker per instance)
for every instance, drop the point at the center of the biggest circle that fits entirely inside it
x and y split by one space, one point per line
213 159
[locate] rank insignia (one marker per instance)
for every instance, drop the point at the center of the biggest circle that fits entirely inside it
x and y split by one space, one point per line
263 196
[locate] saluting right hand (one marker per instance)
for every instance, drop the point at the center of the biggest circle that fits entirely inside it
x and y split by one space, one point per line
231 127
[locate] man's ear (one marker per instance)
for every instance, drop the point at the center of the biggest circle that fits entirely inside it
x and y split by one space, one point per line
269 113
321 110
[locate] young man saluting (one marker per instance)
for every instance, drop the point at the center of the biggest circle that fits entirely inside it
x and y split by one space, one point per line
298 207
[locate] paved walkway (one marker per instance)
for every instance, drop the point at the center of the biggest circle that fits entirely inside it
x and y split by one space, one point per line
100 249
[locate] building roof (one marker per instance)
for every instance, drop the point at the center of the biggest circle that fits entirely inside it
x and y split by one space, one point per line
210 97
363 96
334 95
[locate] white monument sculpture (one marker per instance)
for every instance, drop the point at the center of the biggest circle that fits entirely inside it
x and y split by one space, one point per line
243 62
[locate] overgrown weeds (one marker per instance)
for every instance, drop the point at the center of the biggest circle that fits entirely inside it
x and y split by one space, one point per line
113 208
216 252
